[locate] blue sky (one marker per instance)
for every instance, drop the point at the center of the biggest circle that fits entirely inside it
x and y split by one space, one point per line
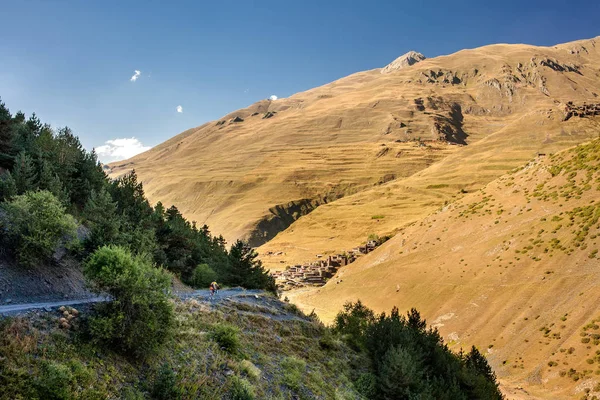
71 61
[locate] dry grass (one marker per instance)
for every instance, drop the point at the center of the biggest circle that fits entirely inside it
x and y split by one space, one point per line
328 141
493 270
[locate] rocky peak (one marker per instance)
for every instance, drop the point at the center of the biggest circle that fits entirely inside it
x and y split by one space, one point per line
405 60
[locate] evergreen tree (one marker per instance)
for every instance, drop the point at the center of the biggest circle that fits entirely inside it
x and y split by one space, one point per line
476 362
100 214
6 137
24 173
401 374
34 125
130 198
8 187
246 270
51 182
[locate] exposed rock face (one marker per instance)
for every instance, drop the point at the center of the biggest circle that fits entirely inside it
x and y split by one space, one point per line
406 60
281 216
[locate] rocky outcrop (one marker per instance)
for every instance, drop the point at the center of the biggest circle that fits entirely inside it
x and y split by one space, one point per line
283 215
450 128
445 77
447 119
405 60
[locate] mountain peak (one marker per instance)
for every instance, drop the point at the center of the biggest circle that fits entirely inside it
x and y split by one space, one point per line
405 60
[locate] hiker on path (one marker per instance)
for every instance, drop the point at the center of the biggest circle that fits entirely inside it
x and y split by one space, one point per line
214 287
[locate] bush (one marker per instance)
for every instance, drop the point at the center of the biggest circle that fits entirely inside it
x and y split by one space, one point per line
227 337
62 381
36 224
353 322
241 389
366 385
293 370
251 370
203 276
54 382
140 317
165 384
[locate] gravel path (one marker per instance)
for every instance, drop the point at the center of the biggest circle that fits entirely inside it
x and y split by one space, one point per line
11 309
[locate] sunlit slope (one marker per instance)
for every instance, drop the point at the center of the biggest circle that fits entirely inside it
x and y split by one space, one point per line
253 177
384 209
513 268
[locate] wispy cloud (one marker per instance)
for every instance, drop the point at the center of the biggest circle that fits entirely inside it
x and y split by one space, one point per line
120 149
179 109
273 97
136 75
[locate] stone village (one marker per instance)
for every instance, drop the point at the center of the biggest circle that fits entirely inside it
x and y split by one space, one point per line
319 272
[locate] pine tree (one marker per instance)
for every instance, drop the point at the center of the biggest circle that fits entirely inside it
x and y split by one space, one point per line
245 269
51 182
475 361
6 137
100 214
8 188
24 173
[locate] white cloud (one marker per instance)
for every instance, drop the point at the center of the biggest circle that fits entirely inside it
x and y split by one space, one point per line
136 75
273 97
179 109
120 149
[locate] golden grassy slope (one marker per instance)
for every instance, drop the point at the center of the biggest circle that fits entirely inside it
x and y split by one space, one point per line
354 133
512 268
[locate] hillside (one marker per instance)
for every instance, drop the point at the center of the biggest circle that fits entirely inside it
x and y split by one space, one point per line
396 142
513 268
262 352
239 345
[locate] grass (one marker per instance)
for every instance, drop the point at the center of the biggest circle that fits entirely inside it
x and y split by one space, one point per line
217 353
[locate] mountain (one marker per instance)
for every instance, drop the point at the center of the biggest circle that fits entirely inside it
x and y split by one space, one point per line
405 60
512 268
422 150
394 144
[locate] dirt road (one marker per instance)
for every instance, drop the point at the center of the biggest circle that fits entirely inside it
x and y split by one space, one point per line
12 309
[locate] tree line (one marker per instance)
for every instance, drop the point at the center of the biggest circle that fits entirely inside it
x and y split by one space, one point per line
407 360
53 191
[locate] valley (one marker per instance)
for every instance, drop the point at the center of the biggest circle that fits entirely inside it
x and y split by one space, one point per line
454 158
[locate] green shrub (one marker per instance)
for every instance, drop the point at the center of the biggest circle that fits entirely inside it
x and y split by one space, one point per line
203 276
227 336
130 393
327 341
293 370
251 370
37 223
352 323
165 384
140 316
63 381
54 381
366 385
241 389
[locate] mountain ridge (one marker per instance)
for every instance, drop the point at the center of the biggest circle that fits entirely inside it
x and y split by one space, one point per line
346 136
